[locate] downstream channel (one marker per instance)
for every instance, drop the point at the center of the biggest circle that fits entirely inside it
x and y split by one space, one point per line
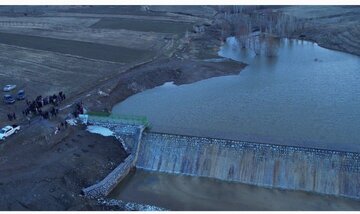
177 192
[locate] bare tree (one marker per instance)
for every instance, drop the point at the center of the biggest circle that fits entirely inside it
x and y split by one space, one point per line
272 45
268 25
242 30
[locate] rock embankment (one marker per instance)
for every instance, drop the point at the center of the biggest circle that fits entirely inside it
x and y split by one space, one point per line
104 187
113 204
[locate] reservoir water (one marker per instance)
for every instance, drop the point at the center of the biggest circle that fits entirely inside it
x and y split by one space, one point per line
306 95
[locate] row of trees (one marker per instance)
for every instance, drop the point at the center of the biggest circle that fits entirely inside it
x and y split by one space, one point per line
257 30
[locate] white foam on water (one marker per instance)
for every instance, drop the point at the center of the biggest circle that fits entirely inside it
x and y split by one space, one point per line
169 84
100 130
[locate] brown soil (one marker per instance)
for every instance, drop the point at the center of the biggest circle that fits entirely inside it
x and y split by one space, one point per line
48 174
180 71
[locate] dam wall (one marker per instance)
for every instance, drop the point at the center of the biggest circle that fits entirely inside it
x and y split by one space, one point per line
276 166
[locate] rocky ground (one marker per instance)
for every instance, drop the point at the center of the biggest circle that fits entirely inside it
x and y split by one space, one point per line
43 171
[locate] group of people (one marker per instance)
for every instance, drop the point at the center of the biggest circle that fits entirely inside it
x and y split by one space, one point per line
48 114
79 109
62 125
11 116
35 106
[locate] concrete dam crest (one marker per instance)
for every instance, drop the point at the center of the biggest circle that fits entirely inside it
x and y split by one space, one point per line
267 165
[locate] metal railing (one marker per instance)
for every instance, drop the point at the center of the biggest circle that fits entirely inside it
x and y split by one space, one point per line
124 119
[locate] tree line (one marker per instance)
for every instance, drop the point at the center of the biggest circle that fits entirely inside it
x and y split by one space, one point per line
257 28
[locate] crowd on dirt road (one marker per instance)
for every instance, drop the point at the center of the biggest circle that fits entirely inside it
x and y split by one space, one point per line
35 107
11 116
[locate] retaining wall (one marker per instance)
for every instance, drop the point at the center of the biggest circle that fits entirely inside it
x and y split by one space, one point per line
130 136
104 187
286 167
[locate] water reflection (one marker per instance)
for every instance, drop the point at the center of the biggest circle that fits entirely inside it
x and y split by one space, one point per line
307 95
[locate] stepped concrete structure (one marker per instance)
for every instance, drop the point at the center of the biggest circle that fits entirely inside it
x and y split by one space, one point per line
274 166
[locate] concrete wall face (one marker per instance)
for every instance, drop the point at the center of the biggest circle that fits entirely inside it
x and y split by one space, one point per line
321 171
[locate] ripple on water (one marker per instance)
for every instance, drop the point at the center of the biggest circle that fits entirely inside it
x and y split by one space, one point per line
307 96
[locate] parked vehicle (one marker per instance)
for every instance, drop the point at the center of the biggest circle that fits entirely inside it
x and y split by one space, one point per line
8 130
21 95
8 99
9 87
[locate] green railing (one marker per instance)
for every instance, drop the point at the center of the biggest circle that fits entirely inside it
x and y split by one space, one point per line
99 113
126 119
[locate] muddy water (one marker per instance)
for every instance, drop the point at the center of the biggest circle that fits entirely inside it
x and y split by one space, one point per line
194 193
307 95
